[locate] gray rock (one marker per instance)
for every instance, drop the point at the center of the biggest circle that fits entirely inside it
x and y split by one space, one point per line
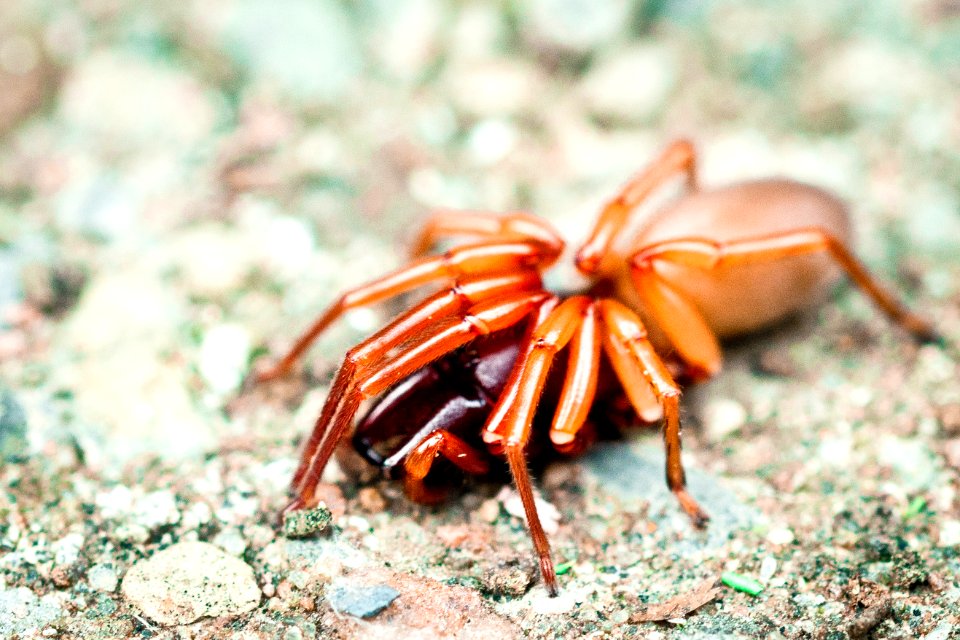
362 601
189 581
637 474
22 612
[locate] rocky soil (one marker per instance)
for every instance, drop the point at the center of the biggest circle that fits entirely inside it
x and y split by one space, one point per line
184 186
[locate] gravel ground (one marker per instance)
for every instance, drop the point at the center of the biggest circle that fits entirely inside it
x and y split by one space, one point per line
183 186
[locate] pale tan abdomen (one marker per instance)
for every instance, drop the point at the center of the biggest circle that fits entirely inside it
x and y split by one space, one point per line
743 298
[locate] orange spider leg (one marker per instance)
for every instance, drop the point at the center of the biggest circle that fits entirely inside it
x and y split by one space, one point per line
435 341
625 328
708 254
492 432
458 262
579 385
679 157
521 478
548 338
456 300
638 390
517 226
550 335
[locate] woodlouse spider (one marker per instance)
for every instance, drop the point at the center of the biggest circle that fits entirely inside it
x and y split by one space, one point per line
463 372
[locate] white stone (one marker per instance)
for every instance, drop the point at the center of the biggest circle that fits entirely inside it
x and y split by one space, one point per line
231 541
115 502
768 567
156 509
103 577
780 536
66 550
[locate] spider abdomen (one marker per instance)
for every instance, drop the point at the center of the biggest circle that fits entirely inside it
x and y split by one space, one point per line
744 298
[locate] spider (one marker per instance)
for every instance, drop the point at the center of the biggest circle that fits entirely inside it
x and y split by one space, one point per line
462 373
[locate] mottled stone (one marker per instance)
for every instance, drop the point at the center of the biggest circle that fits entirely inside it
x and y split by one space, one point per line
306 522
189 581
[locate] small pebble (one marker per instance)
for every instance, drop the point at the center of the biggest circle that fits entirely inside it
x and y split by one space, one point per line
306 522
66 550
632 85
489 510
103 577
223 357
723 417
549 516
371 500
768 567
780 536
231 541
115 502
156 509
949 533
362 601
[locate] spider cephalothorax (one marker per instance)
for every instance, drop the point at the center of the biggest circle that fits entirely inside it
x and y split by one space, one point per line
712 264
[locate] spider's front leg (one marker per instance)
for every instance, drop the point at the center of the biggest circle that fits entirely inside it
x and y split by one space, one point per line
678 158
509 425
452 302
432 343
459 262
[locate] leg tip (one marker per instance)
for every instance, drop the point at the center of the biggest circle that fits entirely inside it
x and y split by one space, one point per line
294 505
549 577
698 517
700 520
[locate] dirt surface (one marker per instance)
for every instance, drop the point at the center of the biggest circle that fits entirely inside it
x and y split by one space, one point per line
184 186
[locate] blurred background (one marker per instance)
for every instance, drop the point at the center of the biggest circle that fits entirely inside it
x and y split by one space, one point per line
203 176
184 185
